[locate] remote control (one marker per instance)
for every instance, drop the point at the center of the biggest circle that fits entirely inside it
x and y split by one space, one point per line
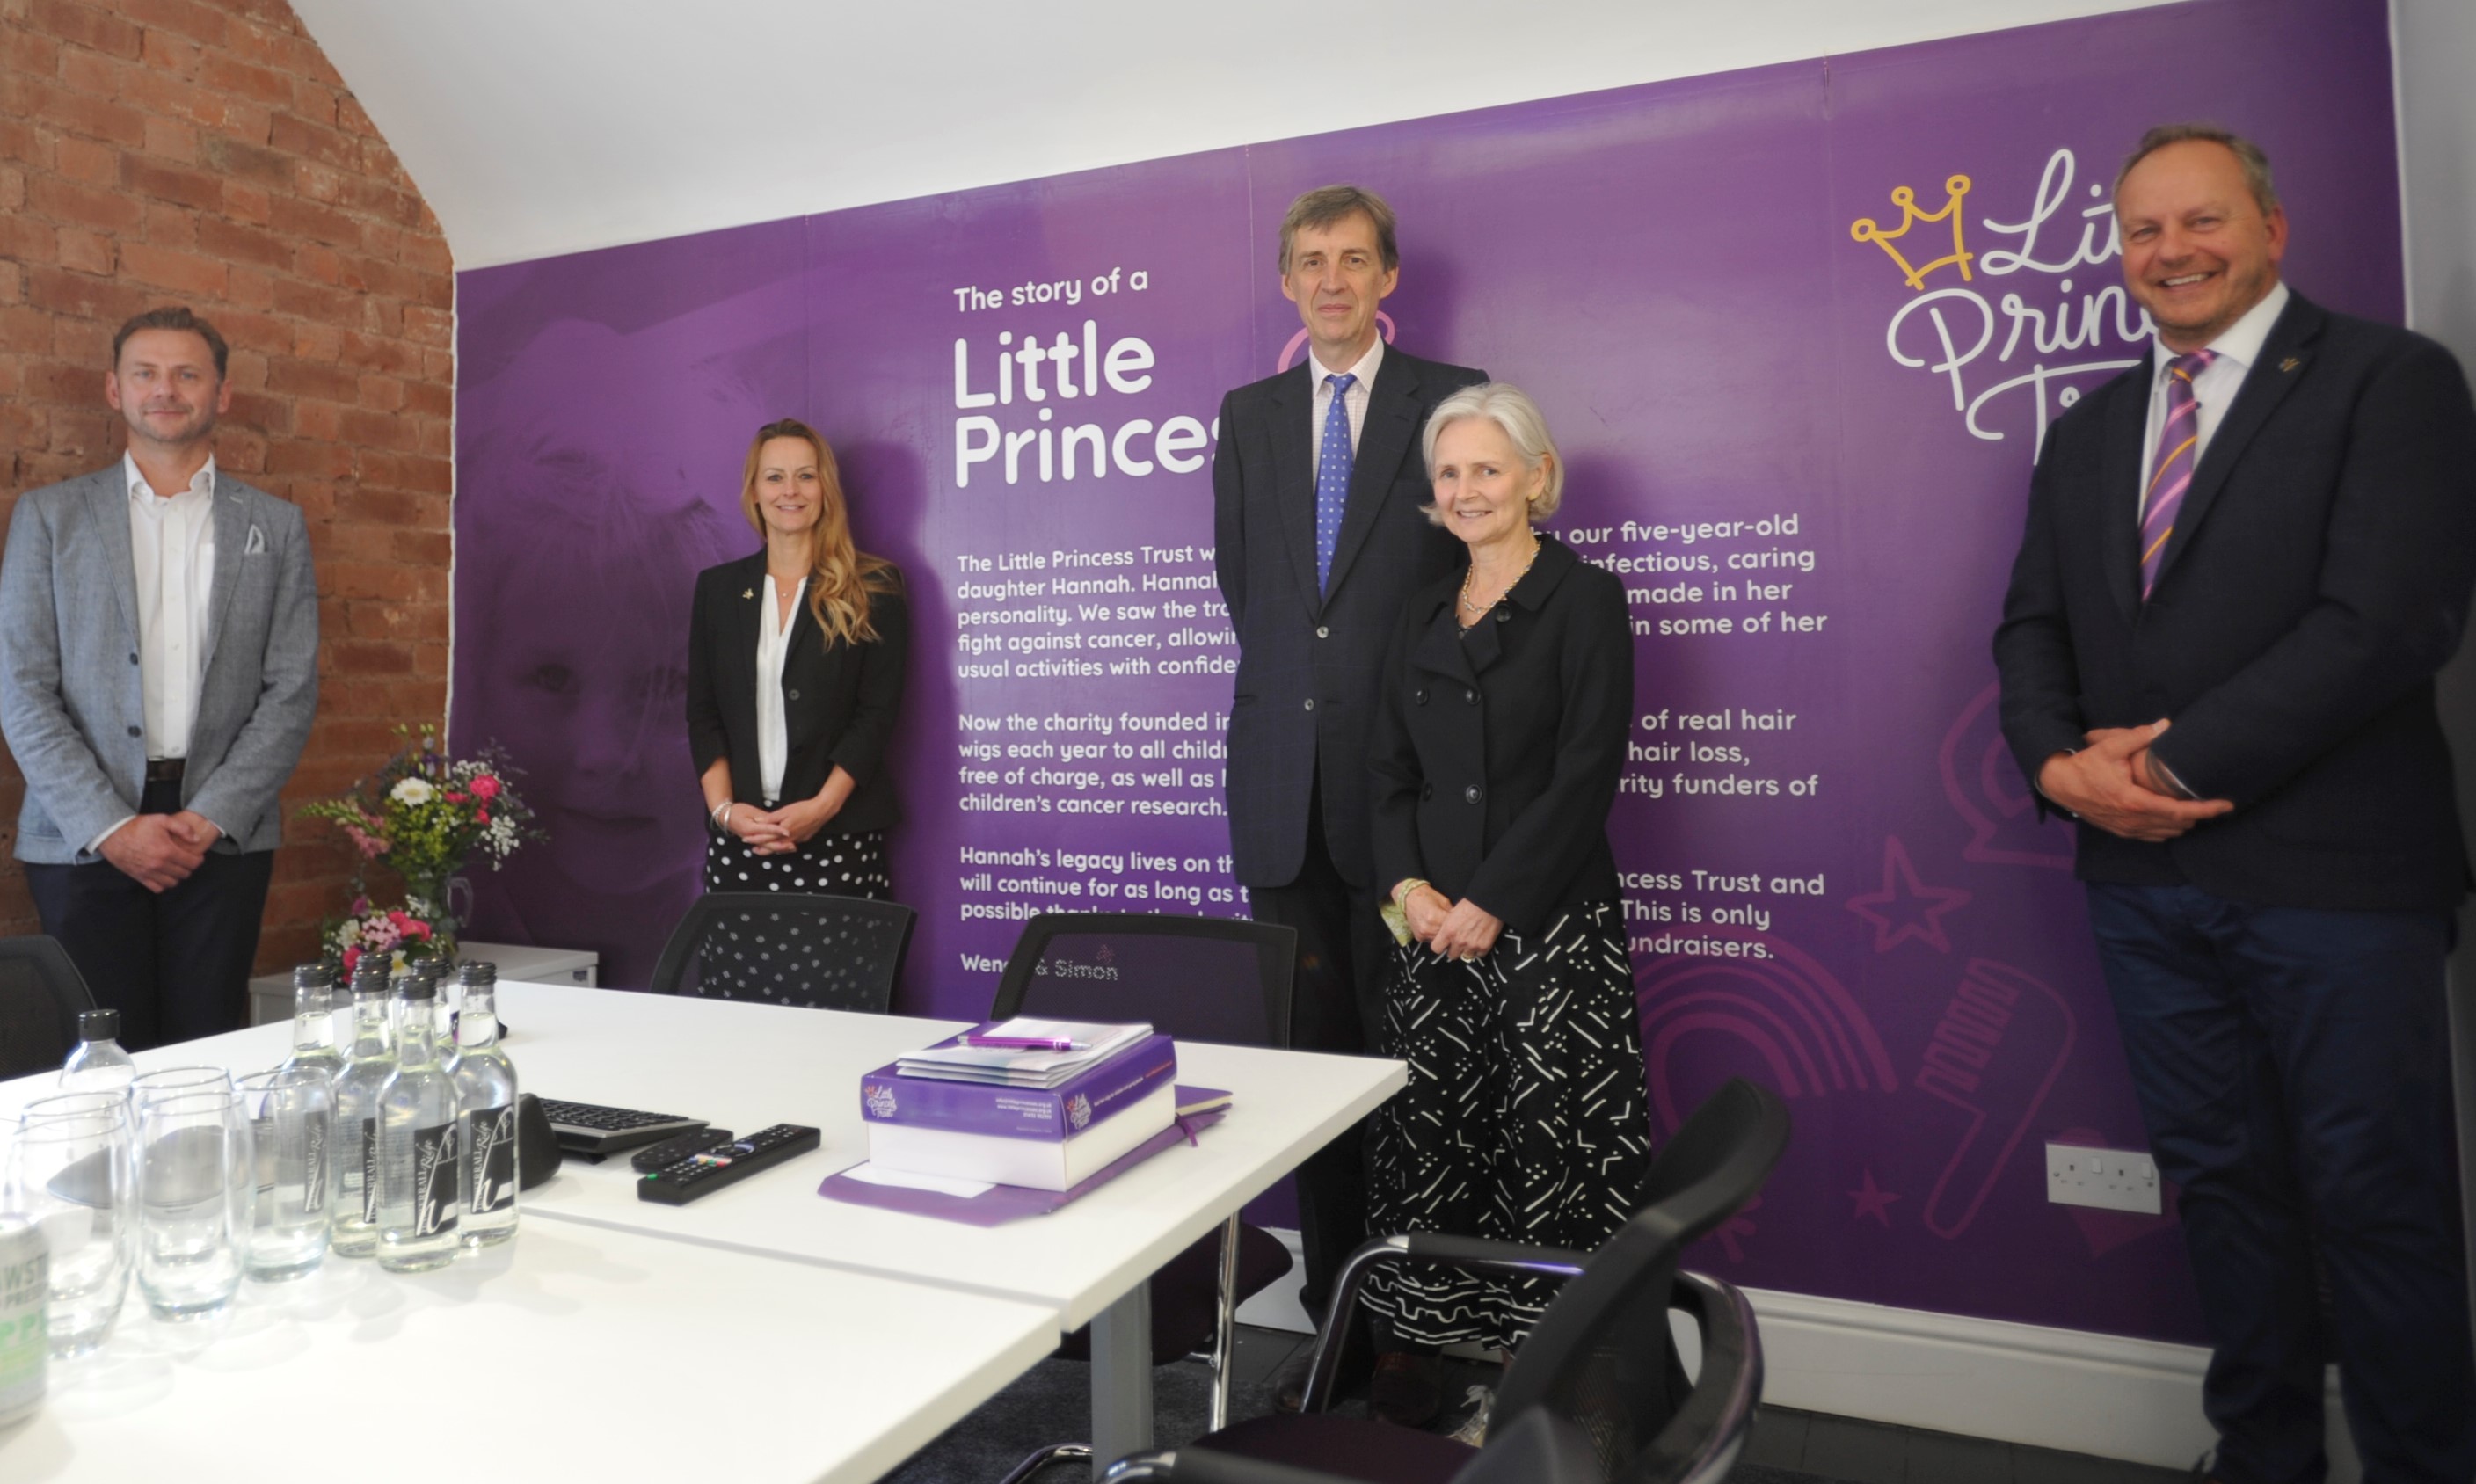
704 1174
671 1151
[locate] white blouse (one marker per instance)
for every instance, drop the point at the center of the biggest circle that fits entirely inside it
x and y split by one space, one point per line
773 731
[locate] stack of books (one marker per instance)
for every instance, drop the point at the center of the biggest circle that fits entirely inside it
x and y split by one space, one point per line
1032 1102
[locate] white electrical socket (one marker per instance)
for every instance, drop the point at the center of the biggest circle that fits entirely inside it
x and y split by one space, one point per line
2116 1179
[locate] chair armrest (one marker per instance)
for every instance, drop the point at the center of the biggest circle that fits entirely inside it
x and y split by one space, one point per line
1470 1255
1701 1443
1203 1466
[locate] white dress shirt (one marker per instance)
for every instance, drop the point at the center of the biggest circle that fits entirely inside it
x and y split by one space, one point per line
2214 388
172 548
773 729
1356 401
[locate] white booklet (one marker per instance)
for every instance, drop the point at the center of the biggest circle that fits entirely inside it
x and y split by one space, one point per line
1046 1052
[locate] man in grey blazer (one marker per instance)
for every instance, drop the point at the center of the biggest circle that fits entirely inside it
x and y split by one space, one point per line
158 668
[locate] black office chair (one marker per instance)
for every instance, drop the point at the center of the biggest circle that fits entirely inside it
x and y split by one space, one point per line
1597 1393
41 995
1197 979
788 948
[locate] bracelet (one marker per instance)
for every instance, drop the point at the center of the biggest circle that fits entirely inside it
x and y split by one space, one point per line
722 815
1401 891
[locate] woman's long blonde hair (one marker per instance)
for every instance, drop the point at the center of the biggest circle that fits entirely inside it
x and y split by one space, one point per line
840 576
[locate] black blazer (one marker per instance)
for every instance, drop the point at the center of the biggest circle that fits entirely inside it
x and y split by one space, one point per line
1308 659
838 699
2316 578
1498 749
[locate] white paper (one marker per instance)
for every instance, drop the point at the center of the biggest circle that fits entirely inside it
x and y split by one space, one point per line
869 1173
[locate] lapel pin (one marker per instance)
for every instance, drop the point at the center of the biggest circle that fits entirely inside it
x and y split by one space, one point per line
2290 363
748 592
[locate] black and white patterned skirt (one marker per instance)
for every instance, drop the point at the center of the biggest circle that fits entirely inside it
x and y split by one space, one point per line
1524 1119
828 865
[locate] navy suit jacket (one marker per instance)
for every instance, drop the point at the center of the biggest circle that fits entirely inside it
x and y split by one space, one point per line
1308 660
2316 578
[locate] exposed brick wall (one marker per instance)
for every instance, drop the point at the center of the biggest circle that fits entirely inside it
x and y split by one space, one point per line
203 152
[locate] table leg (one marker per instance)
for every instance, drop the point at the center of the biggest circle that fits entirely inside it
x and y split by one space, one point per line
1121 1378
1225 1326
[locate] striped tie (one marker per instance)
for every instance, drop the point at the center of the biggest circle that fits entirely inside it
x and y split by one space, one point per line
2171 473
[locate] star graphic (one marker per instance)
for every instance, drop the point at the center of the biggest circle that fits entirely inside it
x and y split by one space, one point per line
1873 1201
1904 909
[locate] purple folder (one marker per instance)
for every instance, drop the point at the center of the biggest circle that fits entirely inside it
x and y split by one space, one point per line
1000 1204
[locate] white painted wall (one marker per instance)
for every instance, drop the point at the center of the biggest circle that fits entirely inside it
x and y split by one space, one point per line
539 127
2436 41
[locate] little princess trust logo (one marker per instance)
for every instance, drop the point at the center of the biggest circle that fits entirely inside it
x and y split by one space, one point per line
2063 326
1078 1110
879 1099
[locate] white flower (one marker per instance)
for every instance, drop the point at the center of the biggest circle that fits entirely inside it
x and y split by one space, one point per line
412 790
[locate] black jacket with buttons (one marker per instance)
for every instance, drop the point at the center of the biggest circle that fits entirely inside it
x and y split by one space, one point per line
839 701
1497 748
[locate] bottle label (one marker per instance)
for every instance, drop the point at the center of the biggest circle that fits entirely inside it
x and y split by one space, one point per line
313 1163
434 1179
490 1158
370 1171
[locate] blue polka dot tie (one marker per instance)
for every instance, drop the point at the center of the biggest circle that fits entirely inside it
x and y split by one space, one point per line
1332 476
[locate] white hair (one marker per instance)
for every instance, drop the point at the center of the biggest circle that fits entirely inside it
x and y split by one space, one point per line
1511 409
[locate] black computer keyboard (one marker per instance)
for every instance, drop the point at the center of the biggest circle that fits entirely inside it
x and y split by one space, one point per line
590 1129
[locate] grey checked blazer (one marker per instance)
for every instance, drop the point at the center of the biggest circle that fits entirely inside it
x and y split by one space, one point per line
71 699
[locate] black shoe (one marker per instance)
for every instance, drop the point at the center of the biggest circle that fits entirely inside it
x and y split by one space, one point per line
1408 1389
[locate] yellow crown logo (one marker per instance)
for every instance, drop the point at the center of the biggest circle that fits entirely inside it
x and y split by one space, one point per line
1865 229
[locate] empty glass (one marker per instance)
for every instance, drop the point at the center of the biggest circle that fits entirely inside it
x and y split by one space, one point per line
291 1119
172 1081
69 1173
196 1187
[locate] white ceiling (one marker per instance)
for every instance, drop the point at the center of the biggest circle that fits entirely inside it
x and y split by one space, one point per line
539 127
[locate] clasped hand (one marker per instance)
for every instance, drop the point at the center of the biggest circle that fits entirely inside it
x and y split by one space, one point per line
1450 930
160 851
779 831
2115 785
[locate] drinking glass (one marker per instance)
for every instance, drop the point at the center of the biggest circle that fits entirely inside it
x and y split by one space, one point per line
69 1173
196 1188
291 1119
173 1081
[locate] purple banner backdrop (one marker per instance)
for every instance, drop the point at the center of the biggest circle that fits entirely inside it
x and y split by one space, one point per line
1798 330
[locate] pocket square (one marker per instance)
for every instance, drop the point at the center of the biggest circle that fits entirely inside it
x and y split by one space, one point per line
255 545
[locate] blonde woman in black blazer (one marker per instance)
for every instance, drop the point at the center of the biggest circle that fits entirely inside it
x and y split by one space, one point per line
1500 736
795 676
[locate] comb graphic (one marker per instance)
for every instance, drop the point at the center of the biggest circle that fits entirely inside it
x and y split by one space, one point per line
2002 1041
1865 229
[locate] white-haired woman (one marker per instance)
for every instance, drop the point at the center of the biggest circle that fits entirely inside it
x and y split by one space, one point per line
1500 736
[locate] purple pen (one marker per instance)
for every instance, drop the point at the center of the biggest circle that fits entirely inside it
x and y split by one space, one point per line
1026 1043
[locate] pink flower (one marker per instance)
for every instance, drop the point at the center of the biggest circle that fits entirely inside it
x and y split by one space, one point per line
481 816
369 845
453 797
485 788
415 928
352 956
361 904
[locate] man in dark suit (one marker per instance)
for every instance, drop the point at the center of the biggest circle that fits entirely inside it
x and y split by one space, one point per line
1316 488
2245 559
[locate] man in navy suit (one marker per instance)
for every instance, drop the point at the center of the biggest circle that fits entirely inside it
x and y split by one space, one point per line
2245 559
1316 488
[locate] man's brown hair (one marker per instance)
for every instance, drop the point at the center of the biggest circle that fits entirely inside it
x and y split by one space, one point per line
1327 205
174 316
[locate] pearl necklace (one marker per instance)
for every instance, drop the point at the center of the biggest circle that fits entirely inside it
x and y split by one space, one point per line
1476 608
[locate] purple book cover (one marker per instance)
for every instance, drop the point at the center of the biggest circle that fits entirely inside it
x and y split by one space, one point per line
1108 1086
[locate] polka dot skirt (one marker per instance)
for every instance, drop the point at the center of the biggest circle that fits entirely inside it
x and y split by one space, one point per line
828 865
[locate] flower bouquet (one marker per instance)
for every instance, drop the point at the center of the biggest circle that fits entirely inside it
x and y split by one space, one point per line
422 815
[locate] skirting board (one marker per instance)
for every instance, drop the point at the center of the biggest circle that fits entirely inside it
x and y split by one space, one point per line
2102 1395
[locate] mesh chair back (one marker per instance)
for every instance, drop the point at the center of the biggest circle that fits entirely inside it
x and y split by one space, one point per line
1601 1356
1197 979
787 948
41 995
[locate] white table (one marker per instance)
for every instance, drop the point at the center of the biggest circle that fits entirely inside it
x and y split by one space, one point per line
745 1066
501 1366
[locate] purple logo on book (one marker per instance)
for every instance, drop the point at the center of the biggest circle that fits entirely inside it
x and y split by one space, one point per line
879 1099
1078 1110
